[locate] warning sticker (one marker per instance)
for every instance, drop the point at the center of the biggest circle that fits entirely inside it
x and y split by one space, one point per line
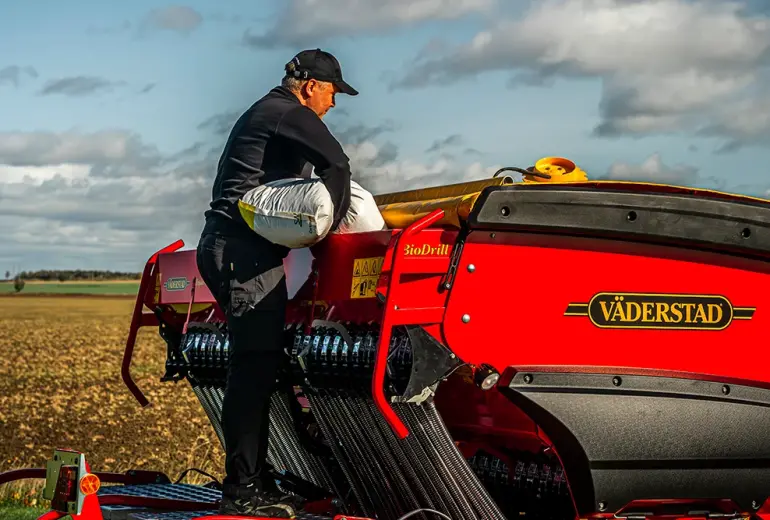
366 272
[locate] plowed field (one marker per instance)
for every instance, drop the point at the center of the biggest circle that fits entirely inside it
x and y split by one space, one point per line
60 386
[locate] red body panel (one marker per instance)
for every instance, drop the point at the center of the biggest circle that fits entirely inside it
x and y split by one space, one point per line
532 280
335 259
176 273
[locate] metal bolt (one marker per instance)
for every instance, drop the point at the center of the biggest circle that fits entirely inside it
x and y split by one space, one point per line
492 235
466 318
528 379
616 381
471 268
602 506
725 389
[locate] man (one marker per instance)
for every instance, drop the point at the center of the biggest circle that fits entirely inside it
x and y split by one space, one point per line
281 135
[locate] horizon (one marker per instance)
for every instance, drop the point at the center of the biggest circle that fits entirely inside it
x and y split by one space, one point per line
114 115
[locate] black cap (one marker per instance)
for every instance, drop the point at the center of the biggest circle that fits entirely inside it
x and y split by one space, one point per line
319 65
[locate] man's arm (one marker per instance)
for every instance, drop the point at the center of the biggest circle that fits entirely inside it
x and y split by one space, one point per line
323 151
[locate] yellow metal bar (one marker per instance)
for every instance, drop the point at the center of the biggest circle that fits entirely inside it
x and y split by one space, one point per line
399 215
403 208
441 192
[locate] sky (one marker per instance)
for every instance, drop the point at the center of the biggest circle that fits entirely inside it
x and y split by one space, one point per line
113 115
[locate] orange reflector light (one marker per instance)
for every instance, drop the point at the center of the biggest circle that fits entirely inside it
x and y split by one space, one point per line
89 484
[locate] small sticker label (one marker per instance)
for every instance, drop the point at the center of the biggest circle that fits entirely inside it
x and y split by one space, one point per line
366 272
176 284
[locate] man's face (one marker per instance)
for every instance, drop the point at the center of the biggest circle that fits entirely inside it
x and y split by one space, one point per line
319 96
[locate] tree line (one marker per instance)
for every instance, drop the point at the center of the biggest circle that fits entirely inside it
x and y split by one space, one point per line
61 275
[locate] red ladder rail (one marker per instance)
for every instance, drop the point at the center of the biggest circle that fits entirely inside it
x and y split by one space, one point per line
395 315
140 319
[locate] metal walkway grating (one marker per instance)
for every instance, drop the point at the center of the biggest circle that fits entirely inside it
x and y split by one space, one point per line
192 514
169 491
187 515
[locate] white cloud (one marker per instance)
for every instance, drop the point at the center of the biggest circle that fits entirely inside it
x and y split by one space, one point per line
36 175
108 199
746 121
96 199
108 152
653 170
306 22
176 18
665 65
377 172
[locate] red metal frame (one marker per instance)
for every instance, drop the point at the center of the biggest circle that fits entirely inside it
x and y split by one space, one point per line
21 474
140 319
129 478
395 314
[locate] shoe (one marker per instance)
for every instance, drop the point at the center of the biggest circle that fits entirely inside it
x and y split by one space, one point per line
259 503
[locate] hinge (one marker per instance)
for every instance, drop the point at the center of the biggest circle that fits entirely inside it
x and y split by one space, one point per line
454 259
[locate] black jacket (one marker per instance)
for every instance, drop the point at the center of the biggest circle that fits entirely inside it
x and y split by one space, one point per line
276 138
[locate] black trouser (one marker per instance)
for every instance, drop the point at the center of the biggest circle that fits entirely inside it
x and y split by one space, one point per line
247 278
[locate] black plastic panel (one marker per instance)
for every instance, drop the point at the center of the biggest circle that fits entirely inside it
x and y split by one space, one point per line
668 218
628 437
